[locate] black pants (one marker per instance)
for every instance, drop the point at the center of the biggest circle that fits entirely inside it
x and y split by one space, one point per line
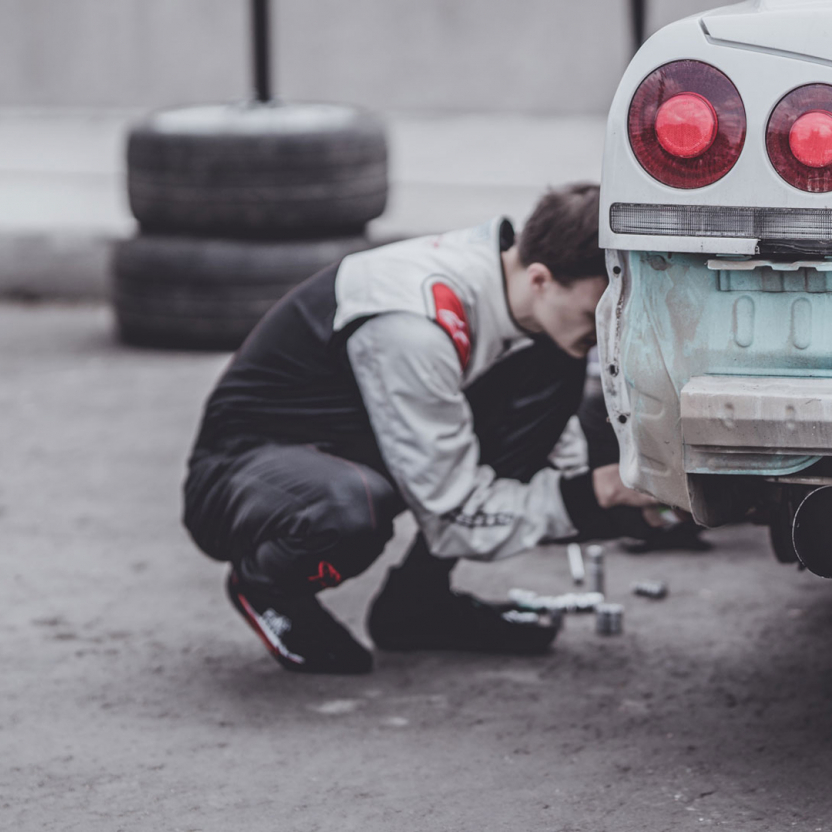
301 519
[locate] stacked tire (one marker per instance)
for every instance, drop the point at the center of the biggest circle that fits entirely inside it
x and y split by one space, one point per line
237 204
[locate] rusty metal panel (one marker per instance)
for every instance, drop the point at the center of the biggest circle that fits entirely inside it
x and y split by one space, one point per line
753 413
666 319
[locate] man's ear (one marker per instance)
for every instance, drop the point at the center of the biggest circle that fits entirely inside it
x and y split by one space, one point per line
539 275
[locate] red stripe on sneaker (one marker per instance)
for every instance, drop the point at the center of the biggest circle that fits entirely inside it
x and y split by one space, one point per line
327 575
267 636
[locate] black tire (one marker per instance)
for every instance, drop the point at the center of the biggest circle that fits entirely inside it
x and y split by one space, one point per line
781 522
257 170
191 293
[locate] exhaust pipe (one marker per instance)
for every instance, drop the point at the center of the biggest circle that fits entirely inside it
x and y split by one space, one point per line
812 531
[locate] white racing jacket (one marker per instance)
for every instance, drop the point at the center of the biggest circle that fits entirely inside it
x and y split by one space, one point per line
412 374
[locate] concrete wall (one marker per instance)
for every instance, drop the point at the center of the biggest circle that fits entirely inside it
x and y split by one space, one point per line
526 55
106 53
547 56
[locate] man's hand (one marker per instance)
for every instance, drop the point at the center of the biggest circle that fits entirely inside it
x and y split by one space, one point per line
610 491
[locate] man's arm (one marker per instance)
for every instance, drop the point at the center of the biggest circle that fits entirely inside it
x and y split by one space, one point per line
410 378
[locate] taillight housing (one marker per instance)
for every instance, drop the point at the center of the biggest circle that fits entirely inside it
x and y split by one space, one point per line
799 138
687 124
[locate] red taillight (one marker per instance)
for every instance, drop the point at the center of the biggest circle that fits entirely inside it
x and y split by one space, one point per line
799 138
810 139
687 124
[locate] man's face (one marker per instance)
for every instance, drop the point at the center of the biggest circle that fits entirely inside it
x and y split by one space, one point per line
567 313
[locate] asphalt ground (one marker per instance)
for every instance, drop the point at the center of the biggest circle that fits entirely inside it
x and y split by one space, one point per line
134 698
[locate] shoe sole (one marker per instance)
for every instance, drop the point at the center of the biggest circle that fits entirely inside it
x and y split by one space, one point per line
542 643
267 633
268 629
495 650
526 640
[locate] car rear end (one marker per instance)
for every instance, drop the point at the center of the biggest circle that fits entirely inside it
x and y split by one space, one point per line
716 213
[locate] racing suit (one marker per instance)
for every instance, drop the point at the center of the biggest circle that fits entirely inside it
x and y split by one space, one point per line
395 379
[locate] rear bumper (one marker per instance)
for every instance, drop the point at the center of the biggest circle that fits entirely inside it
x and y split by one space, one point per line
731 416
713 368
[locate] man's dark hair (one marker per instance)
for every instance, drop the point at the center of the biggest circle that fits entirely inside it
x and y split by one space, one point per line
562 234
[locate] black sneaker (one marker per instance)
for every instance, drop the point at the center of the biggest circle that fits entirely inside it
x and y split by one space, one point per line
403 618
298 632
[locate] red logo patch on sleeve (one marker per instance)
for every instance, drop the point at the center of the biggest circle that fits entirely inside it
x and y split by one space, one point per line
450 315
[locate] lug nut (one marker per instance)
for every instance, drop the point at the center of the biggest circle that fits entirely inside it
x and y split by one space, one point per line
576 563
596 568
609 619
650 589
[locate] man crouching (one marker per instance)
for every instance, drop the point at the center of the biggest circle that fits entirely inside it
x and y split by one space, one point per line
436 375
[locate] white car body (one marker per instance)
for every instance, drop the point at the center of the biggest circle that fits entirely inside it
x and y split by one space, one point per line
715 344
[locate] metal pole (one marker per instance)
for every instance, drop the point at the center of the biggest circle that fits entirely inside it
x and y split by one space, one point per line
637 8
260 32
